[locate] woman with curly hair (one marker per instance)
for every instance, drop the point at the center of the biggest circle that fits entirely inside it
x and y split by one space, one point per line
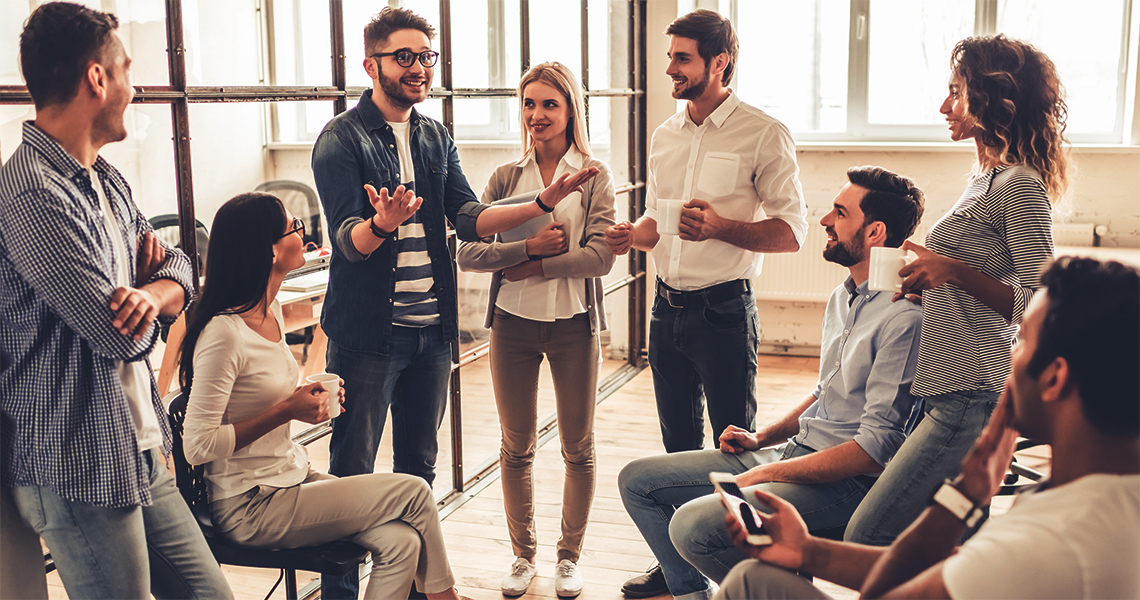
978 270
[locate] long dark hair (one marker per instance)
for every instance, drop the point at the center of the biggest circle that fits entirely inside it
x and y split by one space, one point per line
245 229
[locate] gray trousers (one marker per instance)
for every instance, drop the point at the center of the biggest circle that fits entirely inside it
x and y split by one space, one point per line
754 580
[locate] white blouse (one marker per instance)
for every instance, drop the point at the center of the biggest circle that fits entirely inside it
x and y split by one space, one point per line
538 298
239 374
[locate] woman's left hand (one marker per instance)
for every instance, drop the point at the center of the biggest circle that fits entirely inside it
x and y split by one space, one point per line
530 268
926 272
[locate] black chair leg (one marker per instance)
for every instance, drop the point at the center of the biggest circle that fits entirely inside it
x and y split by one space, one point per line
290 584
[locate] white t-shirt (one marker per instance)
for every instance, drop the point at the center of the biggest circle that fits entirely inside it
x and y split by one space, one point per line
1079 540
539 298
743 163
237 375
135 377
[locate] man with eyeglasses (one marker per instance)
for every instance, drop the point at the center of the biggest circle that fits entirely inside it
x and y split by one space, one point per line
390 180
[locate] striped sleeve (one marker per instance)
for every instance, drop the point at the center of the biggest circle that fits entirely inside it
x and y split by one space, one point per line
1024 219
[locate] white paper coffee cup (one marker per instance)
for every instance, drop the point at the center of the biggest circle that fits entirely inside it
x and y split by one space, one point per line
669 216
331 382
884 269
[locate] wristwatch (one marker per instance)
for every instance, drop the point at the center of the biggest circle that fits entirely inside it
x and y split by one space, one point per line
953 500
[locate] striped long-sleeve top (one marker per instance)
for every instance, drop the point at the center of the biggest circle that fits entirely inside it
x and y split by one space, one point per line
1001 226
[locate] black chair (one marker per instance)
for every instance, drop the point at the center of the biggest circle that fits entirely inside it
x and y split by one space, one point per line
166 228
302 201
335 558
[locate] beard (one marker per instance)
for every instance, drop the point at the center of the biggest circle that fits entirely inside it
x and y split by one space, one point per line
694 90
846 254
396 94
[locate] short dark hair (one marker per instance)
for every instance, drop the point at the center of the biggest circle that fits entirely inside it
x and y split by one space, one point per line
713 33
891 198
58 42
1092 320
390 20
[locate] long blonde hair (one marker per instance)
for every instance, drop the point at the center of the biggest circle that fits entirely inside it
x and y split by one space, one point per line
557 76
1014 94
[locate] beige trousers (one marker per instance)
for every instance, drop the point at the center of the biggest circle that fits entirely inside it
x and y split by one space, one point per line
392 515
518 346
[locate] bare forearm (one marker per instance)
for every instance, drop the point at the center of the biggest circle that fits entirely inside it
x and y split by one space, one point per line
645 235
989 291
841 563
363 239
929 541
833 464
171 296
498 219
769 236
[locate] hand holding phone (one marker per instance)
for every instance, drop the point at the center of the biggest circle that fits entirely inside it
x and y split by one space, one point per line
742 511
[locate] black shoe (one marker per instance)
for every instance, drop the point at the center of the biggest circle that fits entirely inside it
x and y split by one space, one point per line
651 583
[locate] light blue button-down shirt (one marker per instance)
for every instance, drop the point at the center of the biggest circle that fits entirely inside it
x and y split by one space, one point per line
869 350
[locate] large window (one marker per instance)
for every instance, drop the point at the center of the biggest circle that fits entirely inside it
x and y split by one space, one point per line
877 69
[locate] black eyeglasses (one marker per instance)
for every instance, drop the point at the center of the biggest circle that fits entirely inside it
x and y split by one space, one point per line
298 227
405 57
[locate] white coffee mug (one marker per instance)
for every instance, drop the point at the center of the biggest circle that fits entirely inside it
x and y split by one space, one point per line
669 216
331 382
885 266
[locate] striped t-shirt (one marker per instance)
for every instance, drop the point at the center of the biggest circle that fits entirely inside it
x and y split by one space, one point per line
414 304
1001 226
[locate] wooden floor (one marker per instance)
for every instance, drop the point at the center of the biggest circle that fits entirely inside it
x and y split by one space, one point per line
477 541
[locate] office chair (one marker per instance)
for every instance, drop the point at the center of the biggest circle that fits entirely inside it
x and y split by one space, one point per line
302 201
166 229
335 558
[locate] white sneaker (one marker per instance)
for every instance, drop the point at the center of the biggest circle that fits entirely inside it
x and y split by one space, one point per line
567 579
516 582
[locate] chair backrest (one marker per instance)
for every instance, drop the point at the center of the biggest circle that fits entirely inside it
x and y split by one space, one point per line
302 201
166 228
191 480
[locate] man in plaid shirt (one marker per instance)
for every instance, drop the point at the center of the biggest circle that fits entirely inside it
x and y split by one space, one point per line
82 282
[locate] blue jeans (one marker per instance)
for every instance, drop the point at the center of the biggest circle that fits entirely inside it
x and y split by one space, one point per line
670 499
932 453
412 380
130 552
698 353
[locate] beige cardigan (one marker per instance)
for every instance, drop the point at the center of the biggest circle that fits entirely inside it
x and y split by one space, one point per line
590 260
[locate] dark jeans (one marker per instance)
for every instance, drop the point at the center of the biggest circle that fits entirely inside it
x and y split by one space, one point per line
698 353
412 380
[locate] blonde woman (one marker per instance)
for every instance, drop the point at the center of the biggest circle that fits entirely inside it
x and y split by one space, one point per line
546 303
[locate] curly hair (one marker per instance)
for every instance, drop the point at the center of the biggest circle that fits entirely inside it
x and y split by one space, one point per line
1014 94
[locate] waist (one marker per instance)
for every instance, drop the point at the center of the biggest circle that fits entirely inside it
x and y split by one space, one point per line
709 296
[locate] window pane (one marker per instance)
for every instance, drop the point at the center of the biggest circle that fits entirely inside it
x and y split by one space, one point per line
1084 44
487 119
301 43
556 34
609 44
909 65
227 153
300 121
793 63
609 135
142 27
479 160
222 42
485 58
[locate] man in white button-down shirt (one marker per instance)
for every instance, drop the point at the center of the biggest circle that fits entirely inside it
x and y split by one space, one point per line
735 168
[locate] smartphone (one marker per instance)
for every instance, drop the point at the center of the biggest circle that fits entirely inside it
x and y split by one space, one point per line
742 511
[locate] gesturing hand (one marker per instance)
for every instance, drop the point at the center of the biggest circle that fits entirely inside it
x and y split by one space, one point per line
699 221
548 241
986 464
619 237
392 210
565 185
928 271
135 309
149 258
790 537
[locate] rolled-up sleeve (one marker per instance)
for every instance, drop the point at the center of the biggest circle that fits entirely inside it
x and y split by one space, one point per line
216 367
888 397
777 181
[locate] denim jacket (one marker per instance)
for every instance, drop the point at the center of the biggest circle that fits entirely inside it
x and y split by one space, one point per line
358 147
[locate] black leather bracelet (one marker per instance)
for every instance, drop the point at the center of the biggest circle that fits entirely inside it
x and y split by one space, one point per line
380 233
538 201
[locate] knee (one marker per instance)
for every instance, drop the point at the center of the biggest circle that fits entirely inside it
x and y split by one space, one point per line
695 526
515 457
393 543
632 479
579 453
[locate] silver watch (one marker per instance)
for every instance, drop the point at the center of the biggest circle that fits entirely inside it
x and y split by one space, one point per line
958 504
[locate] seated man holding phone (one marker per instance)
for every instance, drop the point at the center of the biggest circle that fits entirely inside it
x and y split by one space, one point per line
822 456
1073 386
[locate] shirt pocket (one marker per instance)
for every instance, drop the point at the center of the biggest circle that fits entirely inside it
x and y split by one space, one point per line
719 173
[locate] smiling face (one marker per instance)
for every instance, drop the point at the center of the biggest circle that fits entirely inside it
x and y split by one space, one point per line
962 125
845 226
690 72
403 86
545 112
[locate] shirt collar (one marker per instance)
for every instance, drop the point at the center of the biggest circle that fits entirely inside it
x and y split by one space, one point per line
373 118
573 158
60 159
718 116
855 291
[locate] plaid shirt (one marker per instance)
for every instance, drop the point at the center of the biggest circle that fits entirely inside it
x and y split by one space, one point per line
66 424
